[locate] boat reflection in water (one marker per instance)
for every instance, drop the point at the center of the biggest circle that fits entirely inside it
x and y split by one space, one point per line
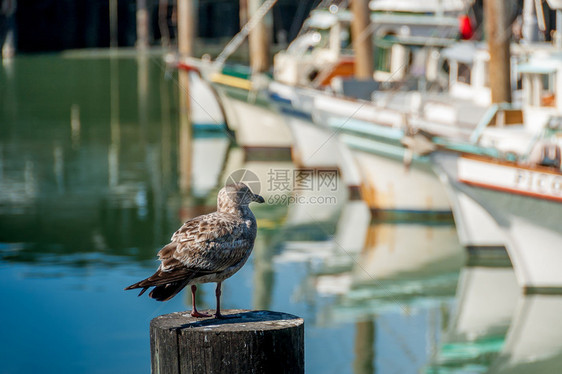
394 290
401 266
534 341
496 329
487 294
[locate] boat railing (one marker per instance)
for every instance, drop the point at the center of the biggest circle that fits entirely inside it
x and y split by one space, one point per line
497 115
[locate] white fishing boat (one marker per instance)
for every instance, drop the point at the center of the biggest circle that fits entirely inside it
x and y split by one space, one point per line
323 48
245 107
206 113
477 230
315 147
325 41
320 52
257 125
513 176
526 203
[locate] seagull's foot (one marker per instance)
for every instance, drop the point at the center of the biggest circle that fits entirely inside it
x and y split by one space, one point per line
196 314
218 315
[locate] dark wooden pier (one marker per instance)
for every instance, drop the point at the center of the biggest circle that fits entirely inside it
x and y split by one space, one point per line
247 342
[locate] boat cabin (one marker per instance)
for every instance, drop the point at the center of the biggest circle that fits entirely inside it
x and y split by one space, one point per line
541 81
323 50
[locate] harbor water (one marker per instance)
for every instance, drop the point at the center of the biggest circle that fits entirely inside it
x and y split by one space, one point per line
97 170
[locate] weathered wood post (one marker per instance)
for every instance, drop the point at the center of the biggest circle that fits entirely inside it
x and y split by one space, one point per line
259 39
186 36
247 342
113 24
362 39
499 36
142 25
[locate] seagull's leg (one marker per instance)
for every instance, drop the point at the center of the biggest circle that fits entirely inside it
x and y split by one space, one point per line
194 312
218 294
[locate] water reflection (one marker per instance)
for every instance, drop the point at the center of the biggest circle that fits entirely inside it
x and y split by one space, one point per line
533 343
486 297
83 164
96 172
401 266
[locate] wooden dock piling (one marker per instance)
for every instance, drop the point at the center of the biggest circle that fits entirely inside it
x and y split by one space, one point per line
259 39
142 25
498 33
247 342
362 39
187 18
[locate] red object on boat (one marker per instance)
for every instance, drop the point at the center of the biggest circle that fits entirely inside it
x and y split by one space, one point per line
465 27
187 67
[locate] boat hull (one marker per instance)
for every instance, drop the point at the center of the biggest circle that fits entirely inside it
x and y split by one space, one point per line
395 190
526 204
392 187
315 146
256 125
477 230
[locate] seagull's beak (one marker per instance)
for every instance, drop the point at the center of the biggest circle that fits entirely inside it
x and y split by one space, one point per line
258 199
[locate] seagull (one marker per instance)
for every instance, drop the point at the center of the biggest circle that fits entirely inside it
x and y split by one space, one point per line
205 249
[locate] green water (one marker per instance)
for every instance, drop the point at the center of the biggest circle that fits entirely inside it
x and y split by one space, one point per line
89 191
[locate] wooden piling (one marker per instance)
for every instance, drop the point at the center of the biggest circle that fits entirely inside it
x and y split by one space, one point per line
142 25
113 24
259 39
186 27
362 39
498 33
185 143
247 342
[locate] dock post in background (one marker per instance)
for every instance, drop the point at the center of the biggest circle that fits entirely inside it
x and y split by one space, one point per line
186 37
247 342
142 25
362 39
243 13
186 27
259 39
113 24
498 33
8 41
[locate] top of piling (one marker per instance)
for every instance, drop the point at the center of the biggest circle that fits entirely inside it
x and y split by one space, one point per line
238 320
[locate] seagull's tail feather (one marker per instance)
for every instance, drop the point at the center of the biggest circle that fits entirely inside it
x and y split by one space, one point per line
166 283
167 291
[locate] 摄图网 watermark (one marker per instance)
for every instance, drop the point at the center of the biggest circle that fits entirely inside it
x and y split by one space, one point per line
292 186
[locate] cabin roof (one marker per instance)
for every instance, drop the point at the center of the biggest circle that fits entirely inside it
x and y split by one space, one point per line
462 52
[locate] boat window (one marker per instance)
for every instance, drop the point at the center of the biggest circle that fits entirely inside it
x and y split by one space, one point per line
463 74
383 53
547 95
539 89
345 40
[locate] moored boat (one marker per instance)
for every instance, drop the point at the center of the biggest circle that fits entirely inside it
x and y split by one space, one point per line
526 203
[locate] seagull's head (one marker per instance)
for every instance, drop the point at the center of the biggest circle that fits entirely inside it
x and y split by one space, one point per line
237 194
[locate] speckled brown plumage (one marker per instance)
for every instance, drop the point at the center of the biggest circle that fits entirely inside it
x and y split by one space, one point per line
208 248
